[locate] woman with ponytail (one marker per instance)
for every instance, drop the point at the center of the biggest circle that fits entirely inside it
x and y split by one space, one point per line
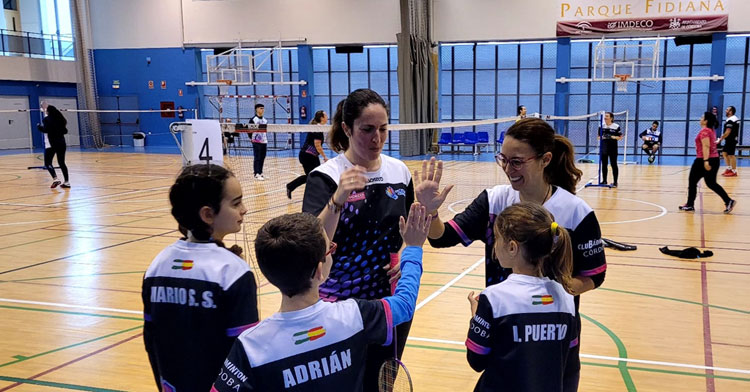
541 169
524 328
198 296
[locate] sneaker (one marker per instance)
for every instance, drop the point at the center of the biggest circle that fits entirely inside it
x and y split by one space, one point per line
259 177
65 185
686 208
726 172
730 206
730 174
614 185
651 159
289 192
55 183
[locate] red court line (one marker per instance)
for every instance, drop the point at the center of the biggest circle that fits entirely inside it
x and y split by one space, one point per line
73 361
707 348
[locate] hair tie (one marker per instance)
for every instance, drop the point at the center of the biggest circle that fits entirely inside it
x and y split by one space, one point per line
553 228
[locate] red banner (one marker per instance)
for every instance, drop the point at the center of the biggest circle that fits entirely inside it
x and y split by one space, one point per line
686 24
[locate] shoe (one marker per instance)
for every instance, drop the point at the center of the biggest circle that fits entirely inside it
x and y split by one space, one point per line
55 183
651 159
602 182
730 206
730 174
726 172
614 185
260 177
686 208
65 185
288 192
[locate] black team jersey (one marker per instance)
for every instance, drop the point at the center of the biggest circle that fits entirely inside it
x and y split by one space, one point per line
197 298
309 145
571 212
653 136
318 348
607 133
322 347
522 334
733 125
367 233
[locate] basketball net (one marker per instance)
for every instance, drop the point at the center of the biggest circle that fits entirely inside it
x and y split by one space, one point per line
622 84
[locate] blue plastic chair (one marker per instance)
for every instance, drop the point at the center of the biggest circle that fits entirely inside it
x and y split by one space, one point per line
470 138
501 138
445 138
458 138
483 137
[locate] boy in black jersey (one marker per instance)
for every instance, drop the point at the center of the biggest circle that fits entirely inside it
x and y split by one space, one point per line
310 344
651 141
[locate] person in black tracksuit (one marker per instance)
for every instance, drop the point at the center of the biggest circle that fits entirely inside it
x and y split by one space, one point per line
308 155
53 127
609 134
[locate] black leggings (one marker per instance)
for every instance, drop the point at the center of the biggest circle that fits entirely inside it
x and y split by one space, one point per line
309 162
377 354
259 156
697 171
58 149
611 156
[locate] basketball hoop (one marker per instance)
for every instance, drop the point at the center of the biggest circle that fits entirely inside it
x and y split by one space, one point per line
622 84
224 90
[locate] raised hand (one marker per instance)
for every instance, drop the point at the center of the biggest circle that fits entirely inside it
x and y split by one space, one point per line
427 184
351 180
414 229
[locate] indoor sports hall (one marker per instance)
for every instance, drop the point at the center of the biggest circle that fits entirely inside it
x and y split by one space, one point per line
147 87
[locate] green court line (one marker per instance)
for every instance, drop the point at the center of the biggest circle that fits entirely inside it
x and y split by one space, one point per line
675 299
69 346
77 276
52 384
622 352
71 313
642 369
673 372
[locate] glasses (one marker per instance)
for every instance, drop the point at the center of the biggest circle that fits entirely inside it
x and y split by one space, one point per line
515 163
331 248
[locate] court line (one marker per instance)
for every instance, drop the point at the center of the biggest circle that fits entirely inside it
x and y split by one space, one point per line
53 384
87 217
91 354
663 211
85 253
69 346
707 347
607 358
113 310
449 284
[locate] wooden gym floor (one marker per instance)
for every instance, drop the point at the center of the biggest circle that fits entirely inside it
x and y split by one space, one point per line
71 264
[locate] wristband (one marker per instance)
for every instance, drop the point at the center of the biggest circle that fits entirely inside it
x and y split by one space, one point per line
435 215
335 208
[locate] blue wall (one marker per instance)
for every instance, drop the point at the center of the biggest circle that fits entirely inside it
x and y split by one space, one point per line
34 90
130 66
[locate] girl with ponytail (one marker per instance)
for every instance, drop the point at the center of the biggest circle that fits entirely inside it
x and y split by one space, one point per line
523 329
196 290
540 166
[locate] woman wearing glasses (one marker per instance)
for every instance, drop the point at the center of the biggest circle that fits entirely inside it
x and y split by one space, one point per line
540 166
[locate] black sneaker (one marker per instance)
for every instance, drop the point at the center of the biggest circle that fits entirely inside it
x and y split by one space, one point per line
686 208
289 192
614 185
651 159
730 206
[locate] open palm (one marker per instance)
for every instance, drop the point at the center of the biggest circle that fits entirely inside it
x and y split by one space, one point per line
427 185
